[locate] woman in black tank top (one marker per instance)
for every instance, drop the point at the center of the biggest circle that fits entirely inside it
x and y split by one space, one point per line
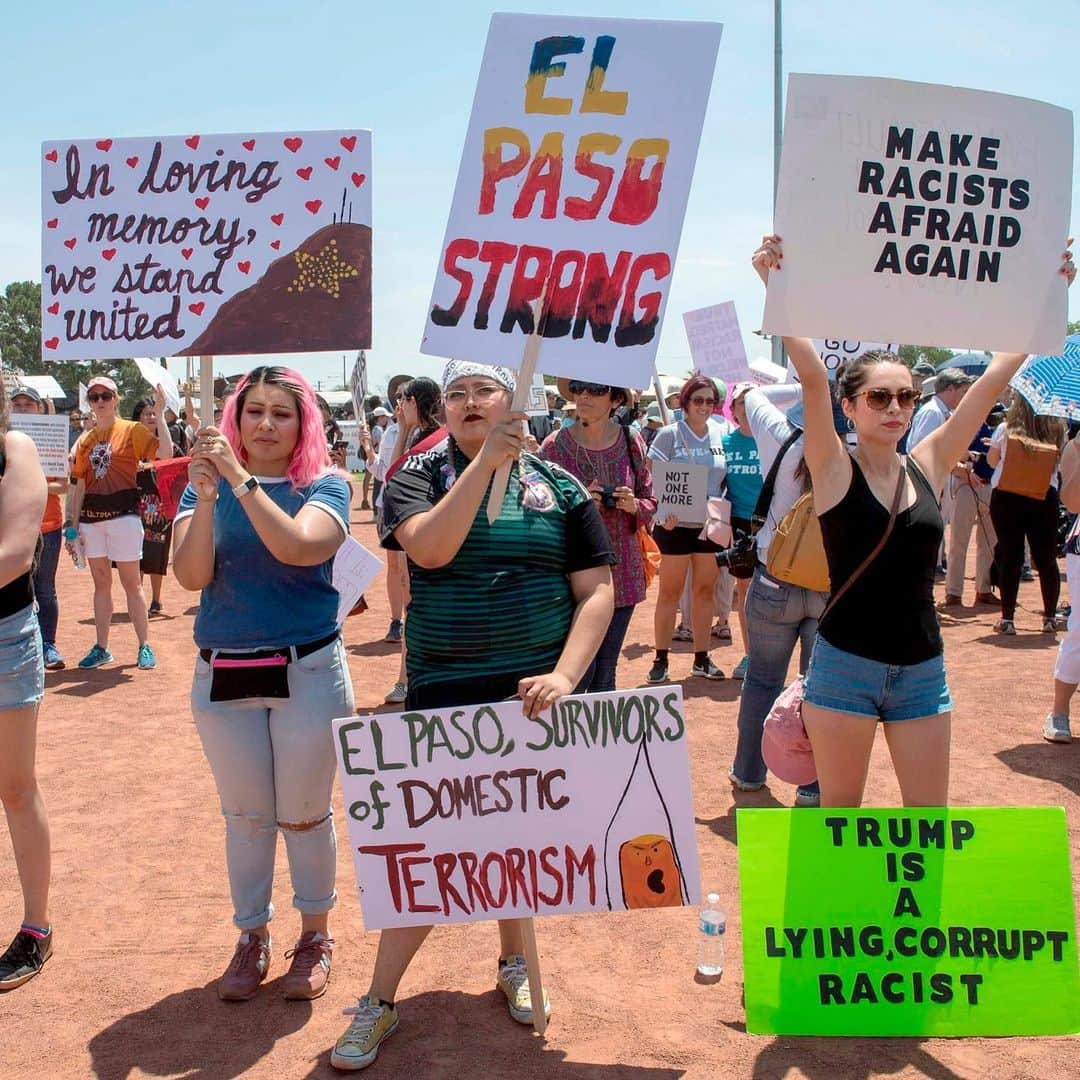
878 655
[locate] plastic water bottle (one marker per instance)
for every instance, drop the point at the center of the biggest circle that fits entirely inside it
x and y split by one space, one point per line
73 542
712 923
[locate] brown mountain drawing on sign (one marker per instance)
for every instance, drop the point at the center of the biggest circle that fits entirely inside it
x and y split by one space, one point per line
315 298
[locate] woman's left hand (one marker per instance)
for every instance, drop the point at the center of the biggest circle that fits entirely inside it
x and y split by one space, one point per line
159 400
212 446
1068 267
625 501
540 692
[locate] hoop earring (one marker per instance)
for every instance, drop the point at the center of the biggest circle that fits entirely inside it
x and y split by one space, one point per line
850 424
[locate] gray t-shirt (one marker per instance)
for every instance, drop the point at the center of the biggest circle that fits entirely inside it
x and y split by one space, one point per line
677 442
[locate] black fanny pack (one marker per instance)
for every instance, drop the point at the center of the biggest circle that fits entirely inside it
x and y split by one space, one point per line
235 676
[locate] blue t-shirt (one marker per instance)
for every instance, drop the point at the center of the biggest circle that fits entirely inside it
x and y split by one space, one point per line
254 601
744 479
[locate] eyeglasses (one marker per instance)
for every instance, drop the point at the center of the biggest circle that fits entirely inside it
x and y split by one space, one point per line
105 395
590 388
879 399
483 394
703 401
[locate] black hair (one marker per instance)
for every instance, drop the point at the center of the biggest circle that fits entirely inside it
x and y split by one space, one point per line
852 374
137 408
428 397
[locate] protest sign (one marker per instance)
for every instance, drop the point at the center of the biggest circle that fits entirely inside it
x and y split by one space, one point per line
622 102
45 385
156 375
834 352
682 490
50 436
355 568
206 244
475 812
716 345
917 212
765 373
908 922
537 404
84 401
358 386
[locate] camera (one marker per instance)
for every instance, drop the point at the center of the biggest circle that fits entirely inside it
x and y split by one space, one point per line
607 498
740 558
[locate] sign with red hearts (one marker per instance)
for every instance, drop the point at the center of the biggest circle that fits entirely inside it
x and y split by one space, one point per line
198 244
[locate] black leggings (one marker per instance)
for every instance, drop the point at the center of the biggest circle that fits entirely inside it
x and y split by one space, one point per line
1016 517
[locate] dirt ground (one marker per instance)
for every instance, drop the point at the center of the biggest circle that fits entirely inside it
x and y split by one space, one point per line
142 915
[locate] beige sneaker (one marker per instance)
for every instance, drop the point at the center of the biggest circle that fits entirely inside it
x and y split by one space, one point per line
246 970
309 971
513 981
359 1046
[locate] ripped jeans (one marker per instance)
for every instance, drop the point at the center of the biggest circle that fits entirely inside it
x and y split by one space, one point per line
273 763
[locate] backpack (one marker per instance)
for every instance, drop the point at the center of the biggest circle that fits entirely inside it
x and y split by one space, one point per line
1028 468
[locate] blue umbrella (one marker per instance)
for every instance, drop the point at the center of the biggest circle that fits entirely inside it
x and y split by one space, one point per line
970 363
1051 384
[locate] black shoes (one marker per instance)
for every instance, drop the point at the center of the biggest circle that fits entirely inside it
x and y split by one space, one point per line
24 958
658 673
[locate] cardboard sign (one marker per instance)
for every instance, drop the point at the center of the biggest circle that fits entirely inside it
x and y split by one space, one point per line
355 568
50 435
682 490
474 812
206 244
358 386
716 344
913 212
908 922
572 188
156 375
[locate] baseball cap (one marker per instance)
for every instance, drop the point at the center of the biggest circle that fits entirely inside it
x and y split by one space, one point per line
741 388
379 411
26 391
103 380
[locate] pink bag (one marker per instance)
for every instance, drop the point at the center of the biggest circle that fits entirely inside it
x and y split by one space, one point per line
717 527
785 746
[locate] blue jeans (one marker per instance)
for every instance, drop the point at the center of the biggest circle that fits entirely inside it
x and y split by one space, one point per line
778 616
607 656
45 585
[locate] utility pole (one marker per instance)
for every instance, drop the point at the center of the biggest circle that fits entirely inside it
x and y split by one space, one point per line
778 132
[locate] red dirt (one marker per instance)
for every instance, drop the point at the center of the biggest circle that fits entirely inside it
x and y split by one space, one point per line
141 908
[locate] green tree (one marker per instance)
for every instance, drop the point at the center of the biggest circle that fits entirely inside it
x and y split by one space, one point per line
1073 328
914 354
20 326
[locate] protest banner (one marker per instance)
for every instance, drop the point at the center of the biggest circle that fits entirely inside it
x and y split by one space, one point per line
355 568
156 375
358 386
45 385
50 436
765 373
834 352
206 244
537 404
716 344
475 812
913 922
910 211
624 101
682 490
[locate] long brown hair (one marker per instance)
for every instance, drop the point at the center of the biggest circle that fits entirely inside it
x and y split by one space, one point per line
1023 423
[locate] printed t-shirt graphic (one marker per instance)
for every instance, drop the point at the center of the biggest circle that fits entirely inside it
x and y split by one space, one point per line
107 460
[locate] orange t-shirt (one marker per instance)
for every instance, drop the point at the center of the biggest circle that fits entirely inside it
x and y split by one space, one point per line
107 459
54 515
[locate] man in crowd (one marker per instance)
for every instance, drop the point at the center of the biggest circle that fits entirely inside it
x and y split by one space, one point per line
950 386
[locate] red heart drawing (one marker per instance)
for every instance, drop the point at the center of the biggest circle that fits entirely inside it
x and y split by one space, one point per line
196 309
294 143
243 267
104 144
314 206
193 142
349 142
358 178
109 254
54 309
53 222
132 162
275 244
277 219
186 252
333 162
70 244
202 203
304 174
51 156
52 342
248 144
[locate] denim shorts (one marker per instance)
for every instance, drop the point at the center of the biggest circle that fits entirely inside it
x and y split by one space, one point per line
844 682
22 669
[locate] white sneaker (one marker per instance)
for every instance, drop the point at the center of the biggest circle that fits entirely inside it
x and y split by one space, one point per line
359 1046
513 981
398 695
1057 728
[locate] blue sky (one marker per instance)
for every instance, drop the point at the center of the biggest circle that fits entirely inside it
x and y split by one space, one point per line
408 70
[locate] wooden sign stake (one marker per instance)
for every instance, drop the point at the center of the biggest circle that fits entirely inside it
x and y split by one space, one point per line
536 982
665 416
206 391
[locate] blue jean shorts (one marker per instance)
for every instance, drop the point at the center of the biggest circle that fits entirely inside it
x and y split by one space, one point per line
847 683
22 668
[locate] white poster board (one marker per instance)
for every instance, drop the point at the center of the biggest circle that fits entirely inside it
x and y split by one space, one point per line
355 568
474 812
681 489
194 245
156 375
50 435
572 187
84 401
716 344
45 385
537 404
834 351
765 373
916 212
358 386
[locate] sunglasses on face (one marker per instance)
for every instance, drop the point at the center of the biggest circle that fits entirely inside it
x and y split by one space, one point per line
879 399
104 395
478 393
590 388
703 401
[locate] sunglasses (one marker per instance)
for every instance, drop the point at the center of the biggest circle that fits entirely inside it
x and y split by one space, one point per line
104 395
880 399
590 388
703 401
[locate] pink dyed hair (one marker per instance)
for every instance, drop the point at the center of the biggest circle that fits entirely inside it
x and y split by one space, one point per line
310 457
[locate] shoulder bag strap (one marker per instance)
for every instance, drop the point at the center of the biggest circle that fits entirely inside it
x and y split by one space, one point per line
761 510
901 481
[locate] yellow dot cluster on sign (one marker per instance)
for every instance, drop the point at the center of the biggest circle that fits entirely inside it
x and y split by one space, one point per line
324 270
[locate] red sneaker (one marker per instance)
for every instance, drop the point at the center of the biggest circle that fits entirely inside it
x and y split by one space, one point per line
246 970
309 971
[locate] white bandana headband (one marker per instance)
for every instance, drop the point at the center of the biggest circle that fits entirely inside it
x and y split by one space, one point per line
461 369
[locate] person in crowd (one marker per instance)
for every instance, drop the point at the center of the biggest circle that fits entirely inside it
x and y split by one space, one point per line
378 418
697 439
610 460
542 426
653 423
1018 516
261 519
871 663
178 434
25 399
104 501
75 418
552 560
157 529
950 386
1057 727
569 415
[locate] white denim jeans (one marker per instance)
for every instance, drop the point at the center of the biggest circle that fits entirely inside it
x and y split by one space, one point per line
273 762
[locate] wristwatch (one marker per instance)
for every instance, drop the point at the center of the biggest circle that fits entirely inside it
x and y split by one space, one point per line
241 489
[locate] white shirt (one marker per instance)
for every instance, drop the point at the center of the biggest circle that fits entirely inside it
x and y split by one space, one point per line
385 456
929 418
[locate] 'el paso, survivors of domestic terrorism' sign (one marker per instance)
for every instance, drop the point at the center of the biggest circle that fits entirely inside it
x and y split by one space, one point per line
573 184
206 244
908 922
474 812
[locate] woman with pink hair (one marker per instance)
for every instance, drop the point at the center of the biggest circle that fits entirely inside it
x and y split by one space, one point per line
261 519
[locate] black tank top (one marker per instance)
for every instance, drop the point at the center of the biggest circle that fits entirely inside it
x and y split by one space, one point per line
888 614
17 594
